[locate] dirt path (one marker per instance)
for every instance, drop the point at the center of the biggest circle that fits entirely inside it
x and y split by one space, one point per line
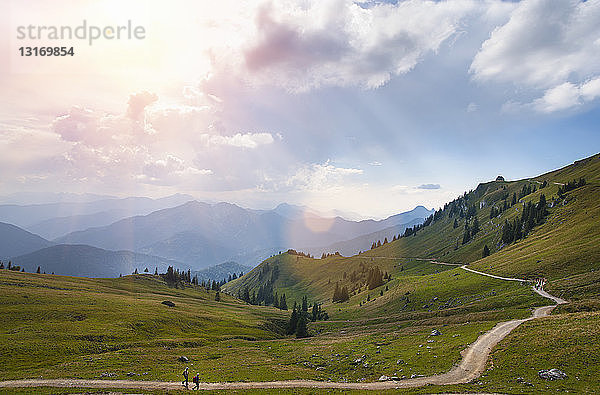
474 359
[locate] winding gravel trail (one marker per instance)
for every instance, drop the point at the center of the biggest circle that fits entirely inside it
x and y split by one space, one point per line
473 362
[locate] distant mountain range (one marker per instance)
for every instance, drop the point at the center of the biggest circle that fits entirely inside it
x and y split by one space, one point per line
102 238
52 220
202 234
221 271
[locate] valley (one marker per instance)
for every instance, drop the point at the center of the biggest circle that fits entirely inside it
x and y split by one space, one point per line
413 305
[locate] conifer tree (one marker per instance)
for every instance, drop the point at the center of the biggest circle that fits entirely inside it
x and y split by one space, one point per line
217 296
455 225
39 269
301 328
475 227
467 234
486 251
293 322
283 303
304 304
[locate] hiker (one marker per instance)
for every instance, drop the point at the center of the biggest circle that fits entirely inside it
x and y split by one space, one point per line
185 376
196 381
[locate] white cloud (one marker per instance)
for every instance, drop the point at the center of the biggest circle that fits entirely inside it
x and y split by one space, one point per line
304 45
246 140
558 98
567 95
472 107
320 176
544 44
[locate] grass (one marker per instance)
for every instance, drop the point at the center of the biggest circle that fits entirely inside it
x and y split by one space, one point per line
72 327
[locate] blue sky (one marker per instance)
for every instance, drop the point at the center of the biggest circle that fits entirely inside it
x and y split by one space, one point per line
370 108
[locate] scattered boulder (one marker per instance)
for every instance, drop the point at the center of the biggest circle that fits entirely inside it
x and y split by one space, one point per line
552 374
384 378
168 303
183 359
356 361
108 374
131 374
320 368
435 332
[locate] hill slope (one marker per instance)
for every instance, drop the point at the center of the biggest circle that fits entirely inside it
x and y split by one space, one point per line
16 241
87 261
563 246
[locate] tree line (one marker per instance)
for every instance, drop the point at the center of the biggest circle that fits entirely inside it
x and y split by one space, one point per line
298 322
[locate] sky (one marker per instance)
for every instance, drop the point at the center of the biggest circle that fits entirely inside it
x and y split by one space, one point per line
364 107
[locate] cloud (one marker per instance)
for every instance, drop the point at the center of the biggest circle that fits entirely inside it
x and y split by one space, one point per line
429 186
544 44
549 47
567 95
375 163
246 140
303 45
138 102
320 176
472 107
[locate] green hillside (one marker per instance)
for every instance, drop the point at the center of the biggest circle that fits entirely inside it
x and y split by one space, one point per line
56 326
396 296
562 246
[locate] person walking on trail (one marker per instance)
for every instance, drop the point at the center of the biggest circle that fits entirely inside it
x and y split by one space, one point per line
196 381
185 377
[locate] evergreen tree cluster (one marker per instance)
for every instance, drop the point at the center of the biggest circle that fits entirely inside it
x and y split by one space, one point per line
324 255
340 294
375 278
175 277
532 215
526 190
569 186
298 323
14 268
299 253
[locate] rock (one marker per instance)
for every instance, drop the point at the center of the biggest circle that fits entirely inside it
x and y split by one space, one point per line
552 374
183 359
384 378
131 374
168 303
435 332
400 361
394 378
356 361
320 368
108 374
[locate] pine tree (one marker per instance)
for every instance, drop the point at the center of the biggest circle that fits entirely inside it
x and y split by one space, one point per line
293 322
475 227
135 271
514 199
315 311
217 296
467 234
304 304
39 269
486 251
156 271
283 303
301 328
455 223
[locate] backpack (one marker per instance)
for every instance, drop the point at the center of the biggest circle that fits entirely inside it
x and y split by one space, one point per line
195 380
